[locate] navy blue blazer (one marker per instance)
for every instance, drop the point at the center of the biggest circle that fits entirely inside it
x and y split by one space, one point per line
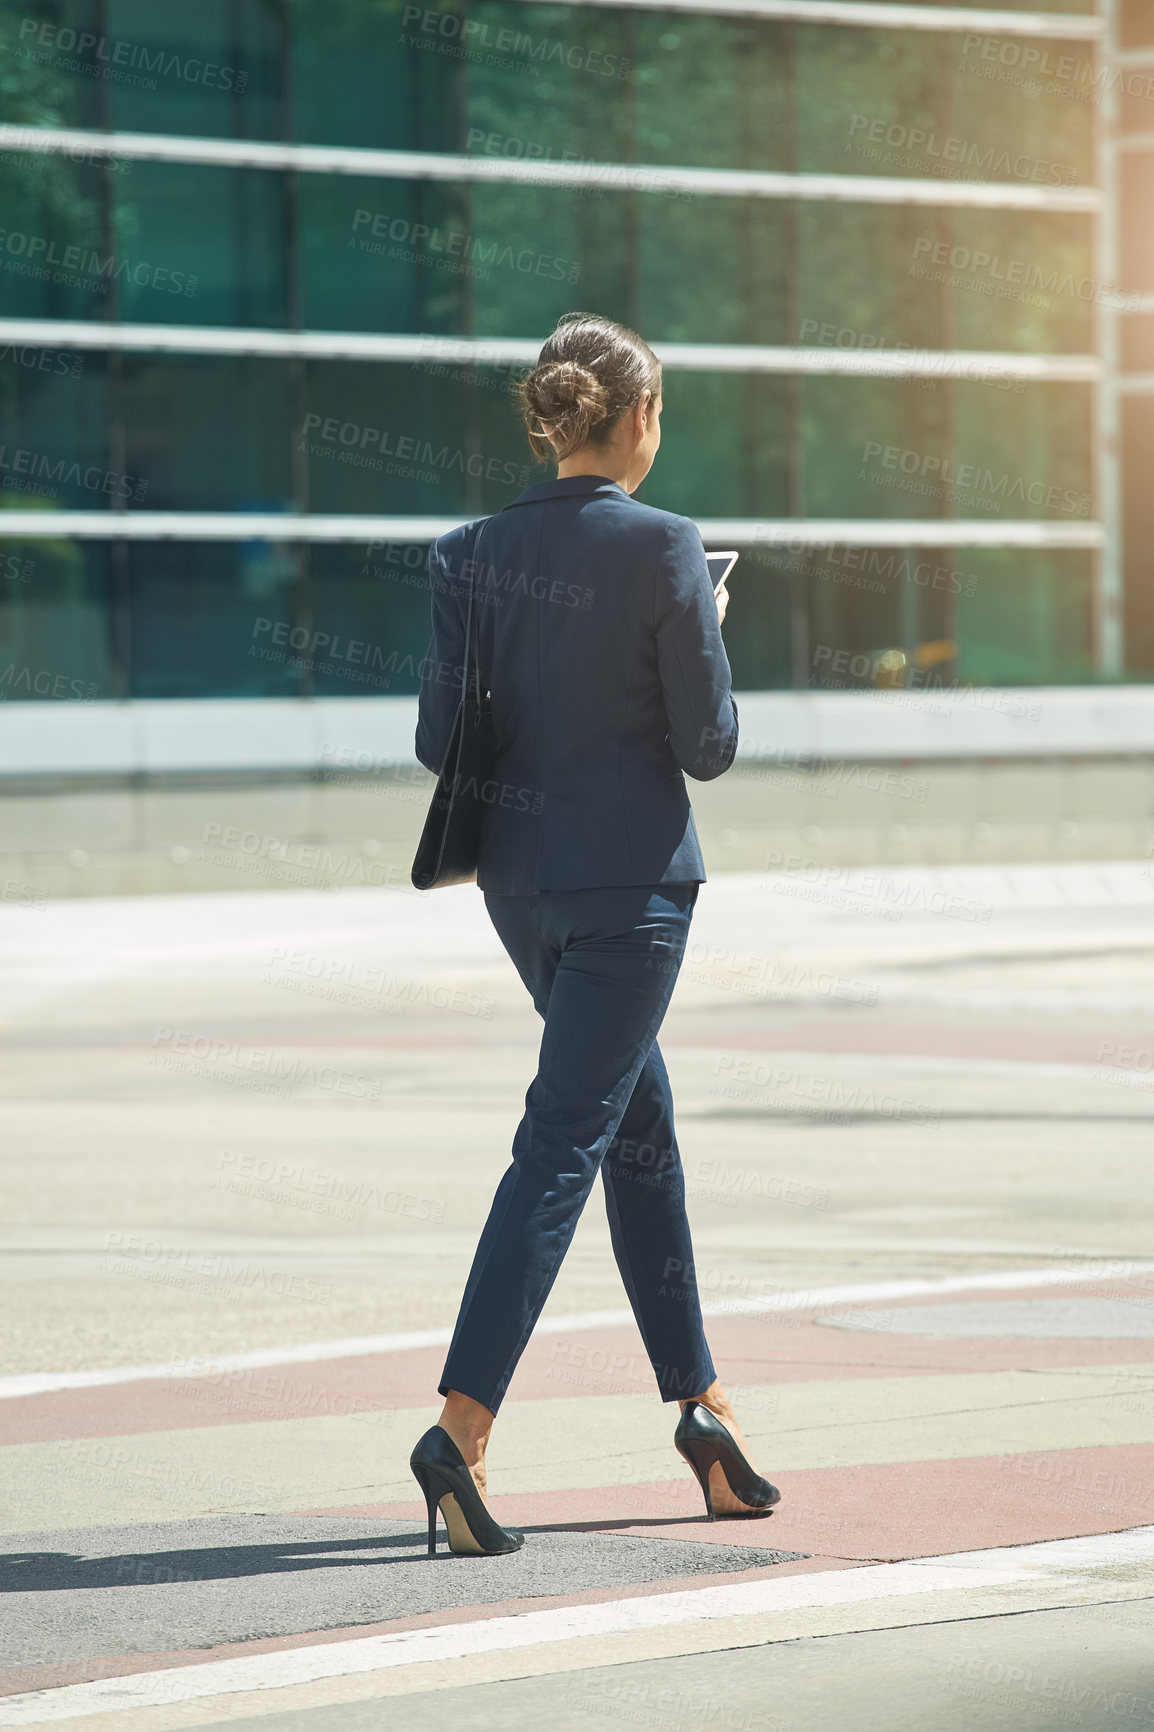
599 641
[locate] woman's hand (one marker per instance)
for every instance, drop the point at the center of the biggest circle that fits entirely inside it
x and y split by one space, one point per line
722 599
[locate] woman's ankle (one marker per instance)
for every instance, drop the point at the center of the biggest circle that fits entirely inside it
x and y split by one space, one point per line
715 1399
468 1423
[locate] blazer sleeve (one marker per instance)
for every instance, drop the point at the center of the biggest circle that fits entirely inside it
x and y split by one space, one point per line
442 670
693 666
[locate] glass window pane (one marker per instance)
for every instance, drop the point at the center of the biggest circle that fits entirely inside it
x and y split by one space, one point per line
869 101
1019 280
723 446
1022 454
408 439
209 70
856 285
54 450
370 608
212 619
712 270
548 81
55 622
362 76
626 86
1027 621
847 617
758 621
200 246
54 256
542 251
385 255
860 606
874 447
208 433
46 83
1022 109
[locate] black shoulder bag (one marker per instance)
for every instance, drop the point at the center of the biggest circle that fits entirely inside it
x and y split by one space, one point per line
450 844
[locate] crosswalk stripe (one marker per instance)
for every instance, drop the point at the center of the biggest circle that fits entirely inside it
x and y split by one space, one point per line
966 1571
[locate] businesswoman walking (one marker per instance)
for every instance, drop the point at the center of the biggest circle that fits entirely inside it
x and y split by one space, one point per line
599 639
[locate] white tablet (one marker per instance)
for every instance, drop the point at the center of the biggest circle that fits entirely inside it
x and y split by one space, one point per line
720 565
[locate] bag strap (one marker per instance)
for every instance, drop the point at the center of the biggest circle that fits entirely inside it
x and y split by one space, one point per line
469 626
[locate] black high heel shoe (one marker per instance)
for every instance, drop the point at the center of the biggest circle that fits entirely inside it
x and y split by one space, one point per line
702 1439
441 1473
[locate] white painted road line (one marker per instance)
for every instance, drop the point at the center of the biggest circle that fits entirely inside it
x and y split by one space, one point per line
963 1571
356 1346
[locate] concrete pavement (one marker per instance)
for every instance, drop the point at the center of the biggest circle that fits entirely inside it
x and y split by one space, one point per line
249 1142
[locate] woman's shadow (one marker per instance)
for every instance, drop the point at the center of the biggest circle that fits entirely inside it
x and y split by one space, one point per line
53 1572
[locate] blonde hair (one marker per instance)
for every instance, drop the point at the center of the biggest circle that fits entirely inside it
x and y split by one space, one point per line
590 371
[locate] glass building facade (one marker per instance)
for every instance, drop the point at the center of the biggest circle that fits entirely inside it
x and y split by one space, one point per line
269 267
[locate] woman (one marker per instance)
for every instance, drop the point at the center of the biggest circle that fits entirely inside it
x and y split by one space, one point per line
599 639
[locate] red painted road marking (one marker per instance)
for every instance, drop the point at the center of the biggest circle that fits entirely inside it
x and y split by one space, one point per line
760 1351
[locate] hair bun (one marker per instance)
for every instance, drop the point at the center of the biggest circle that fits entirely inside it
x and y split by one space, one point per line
589 372
565 401
564 387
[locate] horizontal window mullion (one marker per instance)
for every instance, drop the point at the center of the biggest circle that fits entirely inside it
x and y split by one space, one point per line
624 177
783 532
891 363
1072 27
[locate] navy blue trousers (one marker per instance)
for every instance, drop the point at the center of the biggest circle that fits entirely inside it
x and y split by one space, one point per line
600 966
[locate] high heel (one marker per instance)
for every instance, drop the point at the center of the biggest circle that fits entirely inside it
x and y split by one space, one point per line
440 1471
702 1439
